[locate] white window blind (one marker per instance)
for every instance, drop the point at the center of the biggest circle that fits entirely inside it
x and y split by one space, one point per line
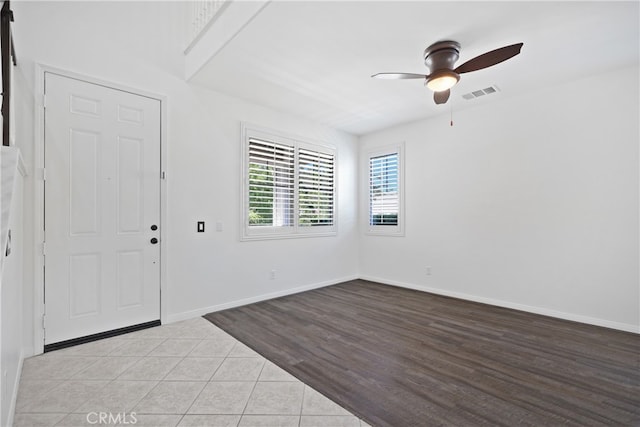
271 184
384 203
315 188
289 186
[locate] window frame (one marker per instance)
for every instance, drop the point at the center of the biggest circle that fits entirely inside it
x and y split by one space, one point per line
248 232
374 152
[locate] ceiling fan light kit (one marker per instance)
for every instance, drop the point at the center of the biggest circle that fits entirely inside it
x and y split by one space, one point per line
442 80
440 59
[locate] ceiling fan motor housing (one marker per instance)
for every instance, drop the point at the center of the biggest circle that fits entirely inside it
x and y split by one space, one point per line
441 56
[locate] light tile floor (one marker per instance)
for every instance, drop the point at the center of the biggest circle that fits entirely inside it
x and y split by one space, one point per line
189 373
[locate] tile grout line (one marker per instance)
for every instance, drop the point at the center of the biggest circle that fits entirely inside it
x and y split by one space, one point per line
207 382
304 389
254 386
166 375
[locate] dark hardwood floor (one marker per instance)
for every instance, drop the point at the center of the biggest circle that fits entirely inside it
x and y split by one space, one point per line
397 357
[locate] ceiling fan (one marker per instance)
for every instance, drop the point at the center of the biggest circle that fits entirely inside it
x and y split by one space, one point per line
440 58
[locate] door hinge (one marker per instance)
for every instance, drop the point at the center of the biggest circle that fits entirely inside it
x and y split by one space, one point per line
43 316
163 175
44 174
44 248
44 100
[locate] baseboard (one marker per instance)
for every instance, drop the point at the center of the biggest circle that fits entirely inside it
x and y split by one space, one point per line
507 304
491 301
237 303
14 395
28 352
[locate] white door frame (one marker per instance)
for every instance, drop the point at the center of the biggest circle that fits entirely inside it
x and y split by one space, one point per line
38 262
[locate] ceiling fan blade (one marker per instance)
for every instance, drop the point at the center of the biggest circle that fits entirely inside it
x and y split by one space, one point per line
441 97
397 76
490 58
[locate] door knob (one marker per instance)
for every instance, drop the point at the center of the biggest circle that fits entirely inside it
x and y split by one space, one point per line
154 241
154 227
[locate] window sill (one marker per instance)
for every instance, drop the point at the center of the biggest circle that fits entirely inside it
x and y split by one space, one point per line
385 232
267 236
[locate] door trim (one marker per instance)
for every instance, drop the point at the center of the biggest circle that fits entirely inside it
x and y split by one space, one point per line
38 202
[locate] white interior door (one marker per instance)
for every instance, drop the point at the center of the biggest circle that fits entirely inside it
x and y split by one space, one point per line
102 209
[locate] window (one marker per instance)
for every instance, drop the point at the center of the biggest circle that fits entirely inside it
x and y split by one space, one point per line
385 191
315 188
271 184
289 186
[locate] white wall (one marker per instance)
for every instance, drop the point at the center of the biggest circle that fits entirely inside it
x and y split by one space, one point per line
140 45
528 202
11 322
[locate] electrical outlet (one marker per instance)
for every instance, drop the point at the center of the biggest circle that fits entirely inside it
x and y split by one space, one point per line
272 275
428 270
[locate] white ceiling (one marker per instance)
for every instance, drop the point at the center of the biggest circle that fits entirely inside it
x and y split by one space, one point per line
315 58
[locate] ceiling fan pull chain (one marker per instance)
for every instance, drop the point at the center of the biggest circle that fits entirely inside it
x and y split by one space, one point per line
451 117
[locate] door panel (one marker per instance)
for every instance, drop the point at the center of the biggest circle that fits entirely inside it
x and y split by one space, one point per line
129 270
84 284
102 194
130 185
84 186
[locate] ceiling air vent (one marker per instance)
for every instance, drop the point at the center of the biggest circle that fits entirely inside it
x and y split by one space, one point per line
482 92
